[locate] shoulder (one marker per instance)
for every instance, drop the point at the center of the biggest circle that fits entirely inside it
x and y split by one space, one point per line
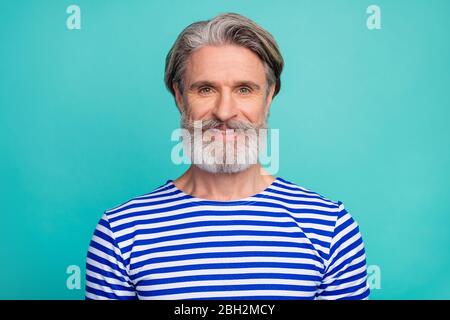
324 221
293 193
312 207
160 195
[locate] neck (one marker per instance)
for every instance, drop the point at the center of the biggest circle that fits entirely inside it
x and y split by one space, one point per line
224 186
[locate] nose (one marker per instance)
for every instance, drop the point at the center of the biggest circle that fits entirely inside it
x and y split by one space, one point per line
225 108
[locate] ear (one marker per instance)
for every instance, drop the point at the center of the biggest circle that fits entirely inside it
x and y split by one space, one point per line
270 97
178 98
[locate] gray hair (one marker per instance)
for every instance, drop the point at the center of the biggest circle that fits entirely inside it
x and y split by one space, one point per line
227 28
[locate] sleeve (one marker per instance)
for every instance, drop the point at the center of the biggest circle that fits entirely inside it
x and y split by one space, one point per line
106 275
345 276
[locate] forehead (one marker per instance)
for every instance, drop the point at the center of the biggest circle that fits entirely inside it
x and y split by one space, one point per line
226 62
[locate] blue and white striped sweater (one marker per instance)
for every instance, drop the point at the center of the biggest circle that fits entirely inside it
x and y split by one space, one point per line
285 242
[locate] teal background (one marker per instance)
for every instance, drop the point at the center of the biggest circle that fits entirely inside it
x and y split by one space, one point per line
85 124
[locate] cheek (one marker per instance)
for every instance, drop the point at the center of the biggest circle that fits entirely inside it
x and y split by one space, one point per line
199 107
254 110
248 108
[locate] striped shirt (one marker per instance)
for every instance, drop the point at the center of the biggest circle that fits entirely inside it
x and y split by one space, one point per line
286 242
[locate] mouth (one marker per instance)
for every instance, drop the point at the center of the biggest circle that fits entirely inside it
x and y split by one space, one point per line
230 136
223 135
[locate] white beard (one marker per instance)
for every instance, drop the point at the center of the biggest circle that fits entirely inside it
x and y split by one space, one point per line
226 156
209 152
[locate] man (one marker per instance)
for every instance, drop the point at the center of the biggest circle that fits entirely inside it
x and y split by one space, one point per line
226 229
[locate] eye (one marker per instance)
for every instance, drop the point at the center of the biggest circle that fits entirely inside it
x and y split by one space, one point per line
244 90
205 90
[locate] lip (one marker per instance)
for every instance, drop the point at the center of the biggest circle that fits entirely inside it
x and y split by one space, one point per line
228 137
231 136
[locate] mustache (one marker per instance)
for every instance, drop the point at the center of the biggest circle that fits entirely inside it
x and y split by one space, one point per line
207 124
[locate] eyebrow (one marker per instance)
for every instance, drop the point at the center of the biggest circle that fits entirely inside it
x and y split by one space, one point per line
206 83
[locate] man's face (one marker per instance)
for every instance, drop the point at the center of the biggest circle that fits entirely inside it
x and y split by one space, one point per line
225 87
226 82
